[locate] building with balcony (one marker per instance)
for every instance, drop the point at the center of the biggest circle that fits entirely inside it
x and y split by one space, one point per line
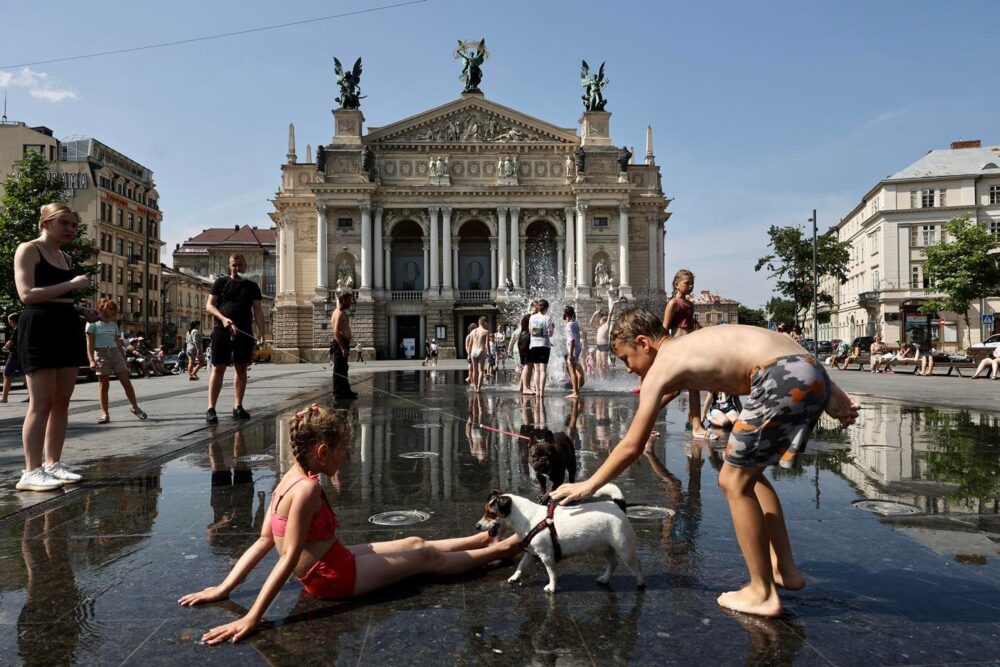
207 254
116 199
711 309
464 210
889 232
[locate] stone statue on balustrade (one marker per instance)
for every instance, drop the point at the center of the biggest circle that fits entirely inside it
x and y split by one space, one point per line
624 157
602 274
345 276
439 171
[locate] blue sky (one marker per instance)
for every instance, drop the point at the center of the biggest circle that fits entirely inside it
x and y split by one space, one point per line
761 111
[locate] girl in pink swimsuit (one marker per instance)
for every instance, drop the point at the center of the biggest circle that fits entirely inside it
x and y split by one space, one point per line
678 320
302 528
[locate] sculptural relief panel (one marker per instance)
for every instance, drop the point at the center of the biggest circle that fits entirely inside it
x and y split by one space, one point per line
472 127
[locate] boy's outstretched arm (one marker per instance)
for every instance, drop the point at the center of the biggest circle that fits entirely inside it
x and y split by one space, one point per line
841 406
651 400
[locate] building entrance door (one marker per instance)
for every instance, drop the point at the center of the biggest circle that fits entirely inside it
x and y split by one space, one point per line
408 335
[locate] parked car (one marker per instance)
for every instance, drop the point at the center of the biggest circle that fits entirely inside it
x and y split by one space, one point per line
170 361
825 347
984 349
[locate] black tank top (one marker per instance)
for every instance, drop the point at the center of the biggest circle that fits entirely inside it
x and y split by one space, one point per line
47 275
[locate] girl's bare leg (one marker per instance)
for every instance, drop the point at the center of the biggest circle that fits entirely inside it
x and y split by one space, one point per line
41 389
102 395
55 428
477 541
129 390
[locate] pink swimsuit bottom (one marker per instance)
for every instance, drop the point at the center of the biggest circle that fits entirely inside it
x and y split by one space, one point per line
332 576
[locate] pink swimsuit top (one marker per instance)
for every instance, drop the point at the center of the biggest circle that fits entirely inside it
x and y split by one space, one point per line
322 526
683 316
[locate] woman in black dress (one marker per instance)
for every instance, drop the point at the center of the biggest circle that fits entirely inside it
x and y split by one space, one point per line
51 344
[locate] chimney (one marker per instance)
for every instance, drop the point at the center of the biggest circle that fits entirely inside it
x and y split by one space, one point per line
971 143
236 228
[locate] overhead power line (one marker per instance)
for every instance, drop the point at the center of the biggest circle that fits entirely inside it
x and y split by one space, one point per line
218 36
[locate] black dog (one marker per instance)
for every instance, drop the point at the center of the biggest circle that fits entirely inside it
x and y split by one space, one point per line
553 456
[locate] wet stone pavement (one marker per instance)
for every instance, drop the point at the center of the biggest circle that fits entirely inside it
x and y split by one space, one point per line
95 579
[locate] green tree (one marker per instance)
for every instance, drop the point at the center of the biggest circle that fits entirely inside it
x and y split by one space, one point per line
790 262
755 317
781 310
25 191
964 268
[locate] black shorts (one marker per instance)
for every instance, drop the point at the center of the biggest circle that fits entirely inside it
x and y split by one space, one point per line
539 355
50 335
228 350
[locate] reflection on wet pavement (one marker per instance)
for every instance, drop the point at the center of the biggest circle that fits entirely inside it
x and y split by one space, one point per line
95 580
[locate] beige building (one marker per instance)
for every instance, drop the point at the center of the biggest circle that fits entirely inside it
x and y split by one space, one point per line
207 254
116 199
711 309
464 210
889 231
184 297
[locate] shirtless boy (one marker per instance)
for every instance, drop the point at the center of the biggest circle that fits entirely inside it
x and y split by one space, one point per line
787 390
479 346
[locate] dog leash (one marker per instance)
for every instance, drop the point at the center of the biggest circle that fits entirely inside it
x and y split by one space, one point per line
547 522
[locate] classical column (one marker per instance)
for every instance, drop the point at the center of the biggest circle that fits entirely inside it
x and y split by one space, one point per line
388 267
446 246
321 267
454 261
289 256
493 263
570 245
520 269
427 263
653 243
560 250
623 278
515 246
581 245
366 246
661 260
377 249
502 247
432 274
281 256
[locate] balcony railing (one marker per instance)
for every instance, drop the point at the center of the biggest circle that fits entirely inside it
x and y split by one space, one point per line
867 298
406 295
475 295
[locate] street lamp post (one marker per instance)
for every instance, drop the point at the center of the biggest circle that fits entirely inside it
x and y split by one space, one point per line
815 291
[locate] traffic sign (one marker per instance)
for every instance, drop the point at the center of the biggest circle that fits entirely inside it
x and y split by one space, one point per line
773 326
988 318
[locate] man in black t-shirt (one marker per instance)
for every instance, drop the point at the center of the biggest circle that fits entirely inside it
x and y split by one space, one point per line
235 303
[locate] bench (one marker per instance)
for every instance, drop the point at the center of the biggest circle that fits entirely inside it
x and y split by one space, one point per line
863 363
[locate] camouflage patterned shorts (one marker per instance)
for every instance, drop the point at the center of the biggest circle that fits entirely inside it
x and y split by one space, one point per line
787 397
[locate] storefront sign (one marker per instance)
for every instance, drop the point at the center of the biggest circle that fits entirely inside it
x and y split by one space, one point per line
72 181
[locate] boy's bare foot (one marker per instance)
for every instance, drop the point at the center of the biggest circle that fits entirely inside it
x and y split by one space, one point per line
746 600
572 395
791 579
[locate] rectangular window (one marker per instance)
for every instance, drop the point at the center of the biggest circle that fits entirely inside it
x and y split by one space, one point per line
995 194
131 221
345 223
915 277
929 235
121 247
995 228
121 279
140 224
926 199
131 251
34 148
121 218
708 318
913 198
942 201
600 222
103 206
914 236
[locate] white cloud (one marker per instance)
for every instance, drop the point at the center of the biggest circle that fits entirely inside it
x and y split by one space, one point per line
37 84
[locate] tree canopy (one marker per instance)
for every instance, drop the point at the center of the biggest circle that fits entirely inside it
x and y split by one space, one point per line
753 316
781 310
963 267
25 191
790 262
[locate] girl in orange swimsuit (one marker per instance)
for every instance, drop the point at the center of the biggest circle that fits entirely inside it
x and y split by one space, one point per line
302 527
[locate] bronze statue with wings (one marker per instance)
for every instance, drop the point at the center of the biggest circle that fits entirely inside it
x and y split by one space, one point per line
472 75
350 85
593 97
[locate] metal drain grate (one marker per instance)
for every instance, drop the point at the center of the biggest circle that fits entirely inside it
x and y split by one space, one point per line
418 455
399 518
648 512
885 507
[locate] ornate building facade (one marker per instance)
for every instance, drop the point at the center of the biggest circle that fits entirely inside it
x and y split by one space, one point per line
461 211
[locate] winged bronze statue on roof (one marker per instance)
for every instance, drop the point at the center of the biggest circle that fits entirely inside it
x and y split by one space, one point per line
472 75
593 97
350 85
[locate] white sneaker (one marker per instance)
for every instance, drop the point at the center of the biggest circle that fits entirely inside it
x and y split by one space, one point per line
59 472
38 480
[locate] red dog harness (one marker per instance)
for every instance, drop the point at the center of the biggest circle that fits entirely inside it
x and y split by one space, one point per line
547 522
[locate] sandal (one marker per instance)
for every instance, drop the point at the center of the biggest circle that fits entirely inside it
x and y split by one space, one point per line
139 413
104 419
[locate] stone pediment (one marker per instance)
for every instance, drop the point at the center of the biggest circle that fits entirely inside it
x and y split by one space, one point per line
471 120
